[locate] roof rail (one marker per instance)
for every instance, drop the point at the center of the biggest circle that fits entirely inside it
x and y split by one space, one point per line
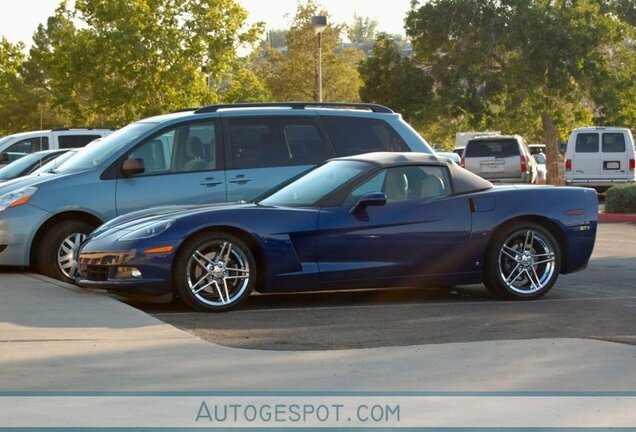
80 128
295 105
184 110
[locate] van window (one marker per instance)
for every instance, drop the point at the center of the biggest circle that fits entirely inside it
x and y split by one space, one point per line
29 145
353 136
613 143
586 143
73 141
186 148
270 142
492 148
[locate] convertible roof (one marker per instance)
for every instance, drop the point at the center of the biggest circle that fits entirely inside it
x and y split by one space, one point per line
464 181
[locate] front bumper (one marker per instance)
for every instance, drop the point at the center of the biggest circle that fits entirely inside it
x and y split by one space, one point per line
18 226
99 270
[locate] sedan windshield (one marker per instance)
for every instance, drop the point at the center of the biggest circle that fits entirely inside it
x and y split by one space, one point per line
15 169
309 189
53 164
95 154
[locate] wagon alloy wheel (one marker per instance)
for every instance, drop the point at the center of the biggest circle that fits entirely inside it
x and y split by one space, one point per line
524 262
67 253
215 273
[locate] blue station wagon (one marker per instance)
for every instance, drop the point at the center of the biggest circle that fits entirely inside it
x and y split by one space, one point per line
217 153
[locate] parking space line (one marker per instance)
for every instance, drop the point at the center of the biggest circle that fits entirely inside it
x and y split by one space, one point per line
463 303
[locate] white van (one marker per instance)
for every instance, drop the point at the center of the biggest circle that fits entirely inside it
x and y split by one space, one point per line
15 146
599 157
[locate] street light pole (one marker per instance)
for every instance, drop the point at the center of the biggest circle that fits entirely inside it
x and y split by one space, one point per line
319 23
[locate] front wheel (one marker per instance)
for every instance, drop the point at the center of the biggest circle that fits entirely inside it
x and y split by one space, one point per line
523 262
214 272
56 256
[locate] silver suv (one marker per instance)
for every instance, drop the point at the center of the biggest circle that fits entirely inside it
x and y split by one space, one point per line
500 159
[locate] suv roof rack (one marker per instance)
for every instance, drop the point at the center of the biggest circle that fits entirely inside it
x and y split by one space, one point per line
80 128
296 105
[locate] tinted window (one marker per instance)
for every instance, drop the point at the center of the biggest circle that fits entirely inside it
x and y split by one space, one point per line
187 148
492 148
613 143
73 141
269 142
586 143
353 136
29 145
405 184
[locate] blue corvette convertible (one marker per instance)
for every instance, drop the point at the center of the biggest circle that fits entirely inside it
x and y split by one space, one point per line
374 220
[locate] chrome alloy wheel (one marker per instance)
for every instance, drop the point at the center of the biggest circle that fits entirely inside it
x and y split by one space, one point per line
527 261
218 273
67 254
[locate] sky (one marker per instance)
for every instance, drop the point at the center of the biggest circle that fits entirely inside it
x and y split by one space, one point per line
19 18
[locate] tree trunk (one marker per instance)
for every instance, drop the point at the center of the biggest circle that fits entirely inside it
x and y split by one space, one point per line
552 150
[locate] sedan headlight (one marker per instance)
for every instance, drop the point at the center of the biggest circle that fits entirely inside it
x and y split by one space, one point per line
151 229
17 197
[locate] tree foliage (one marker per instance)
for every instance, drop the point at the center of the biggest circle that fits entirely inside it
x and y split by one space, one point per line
291 74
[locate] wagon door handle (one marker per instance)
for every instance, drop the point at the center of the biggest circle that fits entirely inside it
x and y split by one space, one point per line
210 181
240 179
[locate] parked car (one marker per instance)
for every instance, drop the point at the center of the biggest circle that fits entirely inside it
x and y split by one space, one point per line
536 148
462 138
354 222
542 170
28 164
459 151
600 157
53 164
500 159
213 154
17 145
450 155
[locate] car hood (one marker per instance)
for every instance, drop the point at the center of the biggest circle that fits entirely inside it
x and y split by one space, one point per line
21 182
135 220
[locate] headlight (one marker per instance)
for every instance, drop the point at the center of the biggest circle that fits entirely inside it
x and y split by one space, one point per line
149 230
17 197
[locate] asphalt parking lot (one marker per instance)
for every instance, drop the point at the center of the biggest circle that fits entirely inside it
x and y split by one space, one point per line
598 303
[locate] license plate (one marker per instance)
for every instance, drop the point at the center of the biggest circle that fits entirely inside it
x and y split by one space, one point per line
612 165
492 167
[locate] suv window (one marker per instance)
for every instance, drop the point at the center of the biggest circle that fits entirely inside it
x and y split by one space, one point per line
353 136
586 143
492 148
73 141
186 148
29 145
613 143
270 142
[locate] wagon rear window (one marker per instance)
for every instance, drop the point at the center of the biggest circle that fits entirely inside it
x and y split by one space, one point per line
587 143
613 143
492 148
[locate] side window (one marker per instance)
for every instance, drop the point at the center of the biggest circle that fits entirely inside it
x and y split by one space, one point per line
613 143
29 145
73 141
355 135
186 148
270 142
586 143
406 183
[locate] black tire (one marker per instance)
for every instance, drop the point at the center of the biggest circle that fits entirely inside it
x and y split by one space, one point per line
519 267
51 260
227 279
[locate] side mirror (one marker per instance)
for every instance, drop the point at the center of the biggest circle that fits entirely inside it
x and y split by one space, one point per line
370 199
133 167
4 158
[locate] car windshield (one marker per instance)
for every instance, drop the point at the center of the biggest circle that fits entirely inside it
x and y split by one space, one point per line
100 151
316 184
16 168
53 164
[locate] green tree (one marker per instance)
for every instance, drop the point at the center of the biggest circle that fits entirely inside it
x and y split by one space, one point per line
362 30
291 75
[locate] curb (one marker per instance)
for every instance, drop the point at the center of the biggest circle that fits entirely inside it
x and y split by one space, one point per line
616 217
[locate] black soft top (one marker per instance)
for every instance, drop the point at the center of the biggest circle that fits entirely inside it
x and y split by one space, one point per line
463 180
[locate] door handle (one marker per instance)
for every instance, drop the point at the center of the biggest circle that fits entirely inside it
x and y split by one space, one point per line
210 181
240 179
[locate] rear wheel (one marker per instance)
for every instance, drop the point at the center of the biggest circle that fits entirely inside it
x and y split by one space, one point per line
56 256
523 263
214 272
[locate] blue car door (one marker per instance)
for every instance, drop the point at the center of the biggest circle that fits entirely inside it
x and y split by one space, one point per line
183 165
266 151
422 229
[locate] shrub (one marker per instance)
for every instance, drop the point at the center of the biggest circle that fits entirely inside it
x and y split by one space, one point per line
621 199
